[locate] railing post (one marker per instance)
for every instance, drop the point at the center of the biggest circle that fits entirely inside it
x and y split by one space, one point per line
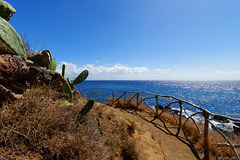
180 118
112 98
206 141
157 107
124 103
137 99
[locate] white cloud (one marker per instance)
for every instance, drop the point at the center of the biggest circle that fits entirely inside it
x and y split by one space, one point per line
117 68
227 73
124 72
72 70
164 71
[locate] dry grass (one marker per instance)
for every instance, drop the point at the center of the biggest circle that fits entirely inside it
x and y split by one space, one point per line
189 129
130 103
26 44
118 140
42 126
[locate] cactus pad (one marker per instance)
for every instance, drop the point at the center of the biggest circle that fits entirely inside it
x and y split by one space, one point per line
67 89
70 84
6 10
85 110
81 77
10 37
63 70
53 65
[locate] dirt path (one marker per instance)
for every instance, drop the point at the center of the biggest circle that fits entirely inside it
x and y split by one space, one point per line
153 141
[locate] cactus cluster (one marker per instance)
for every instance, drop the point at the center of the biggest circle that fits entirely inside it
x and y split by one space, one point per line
69 85
69 88
10 38
11 42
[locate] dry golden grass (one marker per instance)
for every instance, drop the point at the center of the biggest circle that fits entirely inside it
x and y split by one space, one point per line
43 125
26 44
130 103
46 127
189 129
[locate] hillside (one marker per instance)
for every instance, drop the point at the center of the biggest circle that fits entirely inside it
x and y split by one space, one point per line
43 125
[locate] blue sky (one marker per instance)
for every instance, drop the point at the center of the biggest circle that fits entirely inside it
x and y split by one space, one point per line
136 39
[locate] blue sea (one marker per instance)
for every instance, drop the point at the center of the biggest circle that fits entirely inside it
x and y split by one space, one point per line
218 97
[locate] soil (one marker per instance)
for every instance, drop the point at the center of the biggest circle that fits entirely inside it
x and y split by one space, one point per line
154 140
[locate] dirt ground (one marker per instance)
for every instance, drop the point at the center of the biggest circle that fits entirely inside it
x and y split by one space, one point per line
152 140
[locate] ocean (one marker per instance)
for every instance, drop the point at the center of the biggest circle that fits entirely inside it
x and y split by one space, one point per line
218 97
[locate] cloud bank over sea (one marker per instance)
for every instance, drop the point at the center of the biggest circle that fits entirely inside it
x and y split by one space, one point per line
125 72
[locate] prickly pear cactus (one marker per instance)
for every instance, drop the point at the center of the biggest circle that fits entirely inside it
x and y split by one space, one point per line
67 89
63 70
81 77
6 10
53 65
85 110
70 84
10 37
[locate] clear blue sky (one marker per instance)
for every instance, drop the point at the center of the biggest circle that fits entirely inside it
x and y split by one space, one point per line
136 39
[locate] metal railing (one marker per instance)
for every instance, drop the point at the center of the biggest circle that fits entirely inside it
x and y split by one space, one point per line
171 100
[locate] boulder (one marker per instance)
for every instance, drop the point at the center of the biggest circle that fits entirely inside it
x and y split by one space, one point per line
16 76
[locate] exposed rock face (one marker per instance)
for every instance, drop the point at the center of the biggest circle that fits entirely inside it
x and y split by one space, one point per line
16 76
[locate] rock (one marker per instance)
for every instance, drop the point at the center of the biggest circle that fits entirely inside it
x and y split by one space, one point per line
159 106
16 77
41 59
237 123
236 130
220 119
168 110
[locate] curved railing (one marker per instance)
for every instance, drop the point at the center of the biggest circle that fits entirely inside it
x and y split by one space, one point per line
174 100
